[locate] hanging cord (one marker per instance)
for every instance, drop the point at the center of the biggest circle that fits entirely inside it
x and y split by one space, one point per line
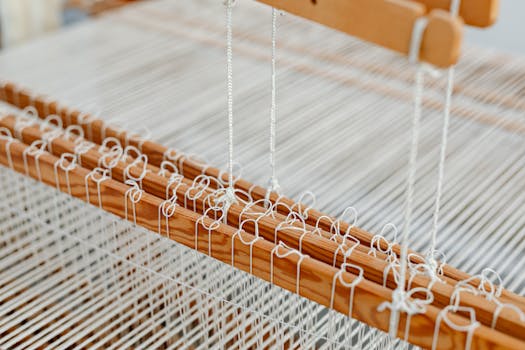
454 10
442 156
274 184
228 197
229 67
400 299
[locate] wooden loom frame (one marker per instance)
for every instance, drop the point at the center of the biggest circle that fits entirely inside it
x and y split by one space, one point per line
316 278
444 54
320 248
88 126
95 130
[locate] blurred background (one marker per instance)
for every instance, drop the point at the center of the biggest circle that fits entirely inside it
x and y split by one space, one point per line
22 20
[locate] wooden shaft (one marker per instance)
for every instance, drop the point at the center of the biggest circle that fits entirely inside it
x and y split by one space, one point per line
388 23
21 98
320 248
316 278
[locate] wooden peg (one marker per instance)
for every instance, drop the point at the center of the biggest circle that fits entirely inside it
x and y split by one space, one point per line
388 23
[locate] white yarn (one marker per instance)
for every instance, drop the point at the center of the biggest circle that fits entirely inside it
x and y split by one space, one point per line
229 68
399 295
454 7
417 37
469 329
454 10
442 156
289 251
274 184
407 218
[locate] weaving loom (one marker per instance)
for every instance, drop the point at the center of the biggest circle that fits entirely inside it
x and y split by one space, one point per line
116 227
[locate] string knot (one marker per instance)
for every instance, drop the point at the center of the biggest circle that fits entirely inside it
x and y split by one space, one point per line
405 302
274 185
226 200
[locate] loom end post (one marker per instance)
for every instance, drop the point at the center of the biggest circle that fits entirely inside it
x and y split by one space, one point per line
442 40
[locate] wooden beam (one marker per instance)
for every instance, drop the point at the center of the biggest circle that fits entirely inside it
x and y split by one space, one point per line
477 13
316 278
95 129
388 23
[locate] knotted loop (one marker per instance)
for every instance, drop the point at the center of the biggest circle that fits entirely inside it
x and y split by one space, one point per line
134 193
249 243
469 328
5 134
52 121
167 169
167 209
288 252
338 276
67 161
74 133
306 201
97 175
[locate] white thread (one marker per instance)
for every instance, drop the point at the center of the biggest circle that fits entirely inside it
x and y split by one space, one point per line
289 252
394 317
142 163
344 249
470 329
69 133
135 194
167 208
85 119
454 7
5 134
454 10
339 276
102 176
442 156
298 206
81 148
173 179
405 301
110 158
248 243
36 149
213 226
415 46
48 122
500 308
417 37
20 124
50 136
229 67
66 162
274 184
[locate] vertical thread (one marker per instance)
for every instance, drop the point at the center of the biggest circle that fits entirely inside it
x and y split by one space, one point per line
273 180
442 156
229 68
454 10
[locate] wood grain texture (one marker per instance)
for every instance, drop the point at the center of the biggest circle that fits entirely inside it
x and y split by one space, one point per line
315 280
96 129
478 13
388 23
321 248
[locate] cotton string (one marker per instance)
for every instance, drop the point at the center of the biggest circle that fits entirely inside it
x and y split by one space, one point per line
229 64
454 9
274 185
397 301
